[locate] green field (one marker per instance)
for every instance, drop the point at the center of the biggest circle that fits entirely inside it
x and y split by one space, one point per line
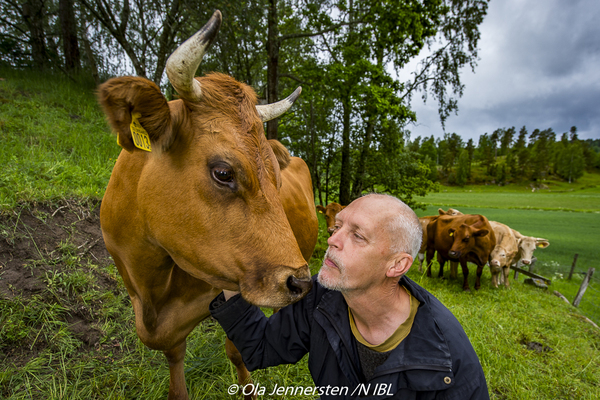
569 232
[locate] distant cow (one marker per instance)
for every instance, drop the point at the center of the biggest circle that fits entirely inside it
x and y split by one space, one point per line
504 253
424 222
330 212
527 245
462 238
199 201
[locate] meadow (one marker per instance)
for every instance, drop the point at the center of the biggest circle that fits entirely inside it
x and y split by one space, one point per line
66 321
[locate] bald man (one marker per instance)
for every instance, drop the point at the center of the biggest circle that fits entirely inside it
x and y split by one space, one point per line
370 331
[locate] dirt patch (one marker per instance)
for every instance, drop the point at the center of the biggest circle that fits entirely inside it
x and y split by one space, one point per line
37 239
54 252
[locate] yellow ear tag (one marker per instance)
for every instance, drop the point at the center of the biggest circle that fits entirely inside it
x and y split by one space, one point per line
451 233
141 140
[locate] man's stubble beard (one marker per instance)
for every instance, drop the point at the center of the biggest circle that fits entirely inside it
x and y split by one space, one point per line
341 283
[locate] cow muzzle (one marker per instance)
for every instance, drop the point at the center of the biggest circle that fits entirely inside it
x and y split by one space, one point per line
454 254
526 262
299 287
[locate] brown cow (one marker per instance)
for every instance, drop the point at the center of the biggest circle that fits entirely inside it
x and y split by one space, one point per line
504 253
424 222
462 238
206 209
527 245
330 212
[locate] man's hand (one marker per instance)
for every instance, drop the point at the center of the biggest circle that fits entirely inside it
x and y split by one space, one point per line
229 294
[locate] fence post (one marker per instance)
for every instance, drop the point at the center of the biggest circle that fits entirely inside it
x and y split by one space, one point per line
573 266
583 287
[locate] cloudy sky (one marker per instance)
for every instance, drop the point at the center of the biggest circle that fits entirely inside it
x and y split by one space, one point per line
539 67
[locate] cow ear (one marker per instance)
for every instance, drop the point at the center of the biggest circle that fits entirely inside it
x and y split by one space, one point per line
481 232
441 212
543 243
127 98
451 231
281 153
321 209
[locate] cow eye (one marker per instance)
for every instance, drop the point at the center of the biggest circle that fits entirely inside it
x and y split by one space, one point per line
222 174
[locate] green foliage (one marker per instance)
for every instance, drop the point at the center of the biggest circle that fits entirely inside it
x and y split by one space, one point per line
570 162
463 169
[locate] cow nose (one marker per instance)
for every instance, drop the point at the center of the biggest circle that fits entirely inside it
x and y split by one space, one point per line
299 286
526 262
454 254
495 263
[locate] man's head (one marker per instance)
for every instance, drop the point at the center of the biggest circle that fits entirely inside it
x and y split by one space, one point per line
375 240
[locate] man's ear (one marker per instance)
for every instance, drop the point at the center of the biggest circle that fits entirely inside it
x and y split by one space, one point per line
281 153
125 97
400 266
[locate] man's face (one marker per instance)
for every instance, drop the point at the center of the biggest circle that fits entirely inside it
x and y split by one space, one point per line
359 249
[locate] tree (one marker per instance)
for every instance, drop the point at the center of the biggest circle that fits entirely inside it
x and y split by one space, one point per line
506 140
522 153
146 32
485 150
541 153
570 162
463 168
388 35
69 34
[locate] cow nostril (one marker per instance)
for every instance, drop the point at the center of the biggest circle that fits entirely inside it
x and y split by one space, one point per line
298 286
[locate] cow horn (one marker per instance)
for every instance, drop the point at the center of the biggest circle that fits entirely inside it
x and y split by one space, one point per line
183 63
274 110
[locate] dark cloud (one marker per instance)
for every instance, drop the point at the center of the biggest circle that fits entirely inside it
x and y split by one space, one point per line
539 67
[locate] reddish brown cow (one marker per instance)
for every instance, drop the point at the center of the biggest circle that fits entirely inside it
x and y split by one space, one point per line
212 206
462 238
424 222
330 212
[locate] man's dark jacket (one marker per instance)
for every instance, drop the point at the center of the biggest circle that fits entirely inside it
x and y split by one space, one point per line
435 361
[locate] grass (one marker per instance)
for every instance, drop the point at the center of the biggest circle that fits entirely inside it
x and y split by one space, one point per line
500 323
54 140
54 144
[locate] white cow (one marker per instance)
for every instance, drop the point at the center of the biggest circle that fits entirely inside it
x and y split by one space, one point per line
504 253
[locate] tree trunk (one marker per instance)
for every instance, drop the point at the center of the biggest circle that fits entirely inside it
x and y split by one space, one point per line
345 176
33 15
272 65
69 34
90 56
359 177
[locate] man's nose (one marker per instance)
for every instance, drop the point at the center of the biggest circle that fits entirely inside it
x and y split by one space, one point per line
334 240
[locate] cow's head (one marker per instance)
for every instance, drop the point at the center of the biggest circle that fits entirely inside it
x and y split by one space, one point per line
527 245
208 191
451 211
330 212
499 258
464 239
